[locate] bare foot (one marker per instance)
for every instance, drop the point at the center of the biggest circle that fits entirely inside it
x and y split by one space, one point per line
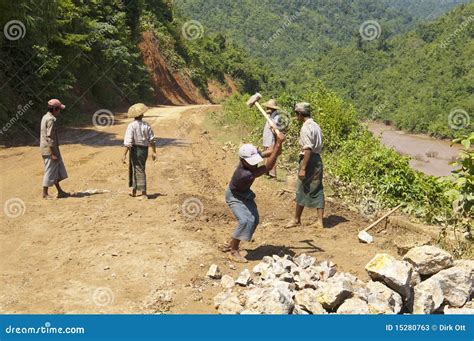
47 197
293 223
237 257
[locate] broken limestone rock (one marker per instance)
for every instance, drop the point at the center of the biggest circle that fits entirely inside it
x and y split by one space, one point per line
307 300
229 304
214 272
249 312
428 259
267 259
354 306
457 284
325 270
332 293
428 297
453 286
244 278
394 273
298 310
304 261
467 263
278 268
260 268
359 288
415 278
458 311
273 301
227 282
383 300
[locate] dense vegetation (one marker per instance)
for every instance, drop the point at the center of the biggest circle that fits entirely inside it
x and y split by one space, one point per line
422 81
404 75
85 53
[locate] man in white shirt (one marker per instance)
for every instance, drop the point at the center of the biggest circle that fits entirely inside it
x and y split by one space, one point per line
268 139
138 137
310 191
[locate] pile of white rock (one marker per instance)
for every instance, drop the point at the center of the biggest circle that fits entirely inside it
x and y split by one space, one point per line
426 281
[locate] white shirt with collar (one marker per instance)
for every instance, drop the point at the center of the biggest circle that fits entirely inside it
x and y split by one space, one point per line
139 133
311 137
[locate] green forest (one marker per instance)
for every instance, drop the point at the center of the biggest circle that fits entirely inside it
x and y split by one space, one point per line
85 52
401 76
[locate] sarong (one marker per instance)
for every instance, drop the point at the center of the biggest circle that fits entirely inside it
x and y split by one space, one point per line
310 191
136 168
54 170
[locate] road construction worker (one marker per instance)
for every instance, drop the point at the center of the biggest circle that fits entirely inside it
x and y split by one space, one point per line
271 108
54 169
241 199
138 137
310 191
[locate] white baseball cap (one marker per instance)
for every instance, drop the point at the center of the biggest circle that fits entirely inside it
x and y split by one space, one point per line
250 154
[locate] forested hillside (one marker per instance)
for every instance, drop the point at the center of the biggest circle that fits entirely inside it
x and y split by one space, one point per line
389 57
86 53
422 80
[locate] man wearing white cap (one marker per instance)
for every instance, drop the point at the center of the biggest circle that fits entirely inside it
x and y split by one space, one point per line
54 169
241 199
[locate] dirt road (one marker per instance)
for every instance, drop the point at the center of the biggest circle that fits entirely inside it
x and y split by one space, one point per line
105 252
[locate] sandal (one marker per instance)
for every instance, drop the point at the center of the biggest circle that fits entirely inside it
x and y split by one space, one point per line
63 195
223 247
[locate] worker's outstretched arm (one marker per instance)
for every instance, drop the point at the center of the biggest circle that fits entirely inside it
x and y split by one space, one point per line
280 137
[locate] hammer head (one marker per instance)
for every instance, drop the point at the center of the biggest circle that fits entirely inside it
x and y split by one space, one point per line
253 99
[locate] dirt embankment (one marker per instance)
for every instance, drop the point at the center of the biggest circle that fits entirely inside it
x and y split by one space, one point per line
170 87
219 91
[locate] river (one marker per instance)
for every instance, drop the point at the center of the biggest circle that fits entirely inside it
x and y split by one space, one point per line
428 155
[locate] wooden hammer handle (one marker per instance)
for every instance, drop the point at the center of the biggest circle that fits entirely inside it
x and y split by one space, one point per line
269 120
381 218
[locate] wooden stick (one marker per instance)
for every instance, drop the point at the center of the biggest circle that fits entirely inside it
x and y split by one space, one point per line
272 124
381 218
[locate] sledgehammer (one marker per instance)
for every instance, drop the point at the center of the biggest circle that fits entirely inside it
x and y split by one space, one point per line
364 236
253 100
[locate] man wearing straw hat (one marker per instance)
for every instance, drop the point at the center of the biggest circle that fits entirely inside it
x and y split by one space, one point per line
54 169
310 191
138 137
268 135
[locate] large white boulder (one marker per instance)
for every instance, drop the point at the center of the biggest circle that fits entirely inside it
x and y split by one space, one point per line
394 273
428 259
